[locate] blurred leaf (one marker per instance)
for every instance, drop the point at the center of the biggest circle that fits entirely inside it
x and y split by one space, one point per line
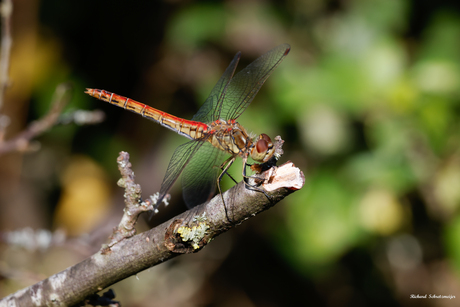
441 39
199 23
384 15
321 223
451 242
435 119
380 170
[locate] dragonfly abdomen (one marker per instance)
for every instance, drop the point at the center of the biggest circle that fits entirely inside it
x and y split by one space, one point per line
189 129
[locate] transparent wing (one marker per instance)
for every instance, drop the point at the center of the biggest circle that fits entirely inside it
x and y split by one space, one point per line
211 108
181 157
228 100
200 175
245 85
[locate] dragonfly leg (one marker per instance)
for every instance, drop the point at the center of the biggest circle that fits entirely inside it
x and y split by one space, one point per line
225 166
225 172
250 186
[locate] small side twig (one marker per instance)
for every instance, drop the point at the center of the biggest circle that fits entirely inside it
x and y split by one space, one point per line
133 201
22 141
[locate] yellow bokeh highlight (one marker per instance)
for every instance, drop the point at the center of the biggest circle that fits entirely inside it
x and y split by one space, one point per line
32 61
85 196
446 187
380 212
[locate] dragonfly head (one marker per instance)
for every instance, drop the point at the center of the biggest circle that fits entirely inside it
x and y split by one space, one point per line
263 149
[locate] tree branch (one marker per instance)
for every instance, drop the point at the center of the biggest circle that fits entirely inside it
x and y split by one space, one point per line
6 10
22 141
185 233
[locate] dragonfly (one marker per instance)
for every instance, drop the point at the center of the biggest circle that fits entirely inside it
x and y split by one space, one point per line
213 131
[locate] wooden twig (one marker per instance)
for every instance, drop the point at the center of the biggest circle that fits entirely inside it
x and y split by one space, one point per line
134 205
22 141
186 233
6 10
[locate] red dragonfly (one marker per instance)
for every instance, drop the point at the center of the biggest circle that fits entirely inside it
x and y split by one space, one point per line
213 131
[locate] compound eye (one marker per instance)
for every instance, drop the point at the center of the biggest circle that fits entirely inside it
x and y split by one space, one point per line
265 137
263 149
262 146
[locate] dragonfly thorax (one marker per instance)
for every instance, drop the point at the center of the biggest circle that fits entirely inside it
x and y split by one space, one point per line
229 136
232 138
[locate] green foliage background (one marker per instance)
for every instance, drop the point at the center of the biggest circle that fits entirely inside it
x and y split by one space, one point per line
367 102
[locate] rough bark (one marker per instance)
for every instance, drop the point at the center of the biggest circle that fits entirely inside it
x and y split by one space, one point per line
185 233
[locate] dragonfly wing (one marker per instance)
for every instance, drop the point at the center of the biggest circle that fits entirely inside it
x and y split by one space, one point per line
200 175
181 157
210 110
246 83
